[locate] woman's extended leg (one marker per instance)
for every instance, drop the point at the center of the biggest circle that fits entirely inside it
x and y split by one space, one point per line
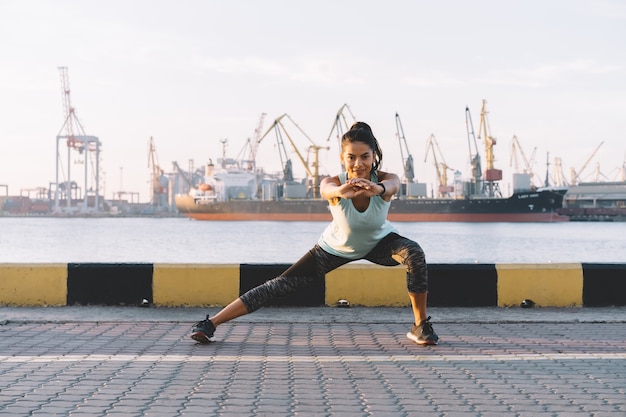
314 265
233 310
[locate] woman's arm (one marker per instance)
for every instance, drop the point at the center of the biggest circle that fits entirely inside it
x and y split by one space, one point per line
332 190
329 188
391 184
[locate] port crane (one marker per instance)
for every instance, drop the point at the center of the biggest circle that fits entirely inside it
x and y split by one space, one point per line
311 169
443 189
158 191
492 175
597 174
575 175
516 149
559 176
252 145
341 125
188 181
75 138
476 167
407 163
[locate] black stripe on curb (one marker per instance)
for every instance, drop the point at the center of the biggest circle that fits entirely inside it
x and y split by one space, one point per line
109 284
604 285
462 285
252 275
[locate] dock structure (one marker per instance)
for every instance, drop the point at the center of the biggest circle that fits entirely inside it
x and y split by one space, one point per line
196 285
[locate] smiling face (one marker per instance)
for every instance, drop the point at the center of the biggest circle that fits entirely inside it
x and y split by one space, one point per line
358 158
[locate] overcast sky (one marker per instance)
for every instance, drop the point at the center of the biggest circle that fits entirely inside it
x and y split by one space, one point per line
191 73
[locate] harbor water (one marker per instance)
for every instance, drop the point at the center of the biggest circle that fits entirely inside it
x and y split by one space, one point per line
179 240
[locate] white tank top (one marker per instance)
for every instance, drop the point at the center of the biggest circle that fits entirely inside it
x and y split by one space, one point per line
353 234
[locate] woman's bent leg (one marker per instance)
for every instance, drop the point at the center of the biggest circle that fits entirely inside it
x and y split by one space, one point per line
395 249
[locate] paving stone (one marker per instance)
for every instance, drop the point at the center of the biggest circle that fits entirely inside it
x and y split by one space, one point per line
314 367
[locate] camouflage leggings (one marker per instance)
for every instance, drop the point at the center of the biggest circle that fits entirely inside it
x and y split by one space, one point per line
317 262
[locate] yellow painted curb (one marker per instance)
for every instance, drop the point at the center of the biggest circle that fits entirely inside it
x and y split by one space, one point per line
368 285
195 284
548 285
33 285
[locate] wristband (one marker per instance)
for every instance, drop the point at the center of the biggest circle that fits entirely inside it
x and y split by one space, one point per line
384 189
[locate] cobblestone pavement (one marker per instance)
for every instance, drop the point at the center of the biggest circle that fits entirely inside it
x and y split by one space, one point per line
312 367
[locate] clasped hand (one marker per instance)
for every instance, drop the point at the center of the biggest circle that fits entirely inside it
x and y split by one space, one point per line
355 187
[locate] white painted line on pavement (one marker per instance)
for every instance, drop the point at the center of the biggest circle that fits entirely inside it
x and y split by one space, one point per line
309 359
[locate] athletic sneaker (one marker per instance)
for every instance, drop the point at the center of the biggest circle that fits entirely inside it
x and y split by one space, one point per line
203 331
423 334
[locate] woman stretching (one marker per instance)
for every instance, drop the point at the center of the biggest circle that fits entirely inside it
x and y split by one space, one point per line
359 201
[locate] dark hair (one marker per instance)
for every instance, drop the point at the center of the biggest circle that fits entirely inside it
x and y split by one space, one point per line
362 132
361 125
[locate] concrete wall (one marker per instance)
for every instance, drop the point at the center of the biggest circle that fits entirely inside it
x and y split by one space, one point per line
451 285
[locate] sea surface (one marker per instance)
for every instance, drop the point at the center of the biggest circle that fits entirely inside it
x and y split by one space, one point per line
179 240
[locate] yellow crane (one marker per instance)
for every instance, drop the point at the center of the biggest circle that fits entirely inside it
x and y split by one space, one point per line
492 175
516 149
443 189
156 187
311 169
559 175
575 175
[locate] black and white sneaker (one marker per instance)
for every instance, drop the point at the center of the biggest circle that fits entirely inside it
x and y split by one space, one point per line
423 333
203 331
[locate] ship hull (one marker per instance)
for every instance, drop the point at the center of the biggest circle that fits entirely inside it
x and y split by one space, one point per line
539 206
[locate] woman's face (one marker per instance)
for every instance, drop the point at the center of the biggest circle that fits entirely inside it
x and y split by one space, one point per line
358 159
